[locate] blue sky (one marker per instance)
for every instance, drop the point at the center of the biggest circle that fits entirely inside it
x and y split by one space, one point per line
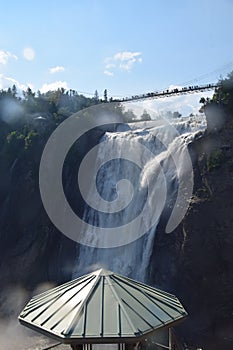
127 47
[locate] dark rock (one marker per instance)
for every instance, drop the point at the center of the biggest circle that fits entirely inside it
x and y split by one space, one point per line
195 261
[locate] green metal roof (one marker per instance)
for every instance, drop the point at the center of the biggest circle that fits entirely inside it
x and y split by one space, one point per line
100 307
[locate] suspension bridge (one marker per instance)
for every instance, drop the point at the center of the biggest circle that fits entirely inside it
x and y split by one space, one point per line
168 93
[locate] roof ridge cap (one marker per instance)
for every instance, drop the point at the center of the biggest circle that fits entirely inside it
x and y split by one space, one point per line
83 302
122 306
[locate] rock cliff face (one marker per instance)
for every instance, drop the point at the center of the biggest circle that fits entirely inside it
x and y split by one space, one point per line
205 272
195 261
32 250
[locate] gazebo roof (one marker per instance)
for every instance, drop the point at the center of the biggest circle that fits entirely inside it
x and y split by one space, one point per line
101 307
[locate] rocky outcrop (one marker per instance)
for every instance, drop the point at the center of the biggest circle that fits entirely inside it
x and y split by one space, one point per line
195 261
205 272
32 250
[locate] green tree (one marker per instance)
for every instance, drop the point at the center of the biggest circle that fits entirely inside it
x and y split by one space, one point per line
30 139
105 95
96 97
223 95
177 114
15 143
14 91
129 116
29 102
145 115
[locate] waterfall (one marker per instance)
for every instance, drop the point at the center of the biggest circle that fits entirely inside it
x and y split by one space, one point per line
145 185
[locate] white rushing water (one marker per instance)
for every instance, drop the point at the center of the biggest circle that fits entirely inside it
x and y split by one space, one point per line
150 186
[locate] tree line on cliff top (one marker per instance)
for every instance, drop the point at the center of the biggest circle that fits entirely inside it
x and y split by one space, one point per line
25 118
223 95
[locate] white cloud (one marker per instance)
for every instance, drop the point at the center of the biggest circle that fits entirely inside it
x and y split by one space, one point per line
6 82
56 69
5 56
108 73
185 104
124 60
172 87
31 86
54 86
126 56
128 64
110 65
29 53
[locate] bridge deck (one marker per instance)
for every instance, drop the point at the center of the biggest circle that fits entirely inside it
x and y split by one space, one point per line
167 93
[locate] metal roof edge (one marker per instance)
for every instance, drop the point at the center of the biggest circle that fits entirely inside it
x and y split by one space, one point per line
41 330
99 340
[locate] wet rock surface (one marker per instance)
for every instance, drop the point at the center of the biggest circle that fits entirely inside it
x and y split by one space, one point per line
195 261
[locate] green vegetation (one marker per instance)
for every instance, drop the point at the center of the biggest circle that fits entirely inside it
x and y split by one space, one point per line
214 160
223 95
27 120
54 106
